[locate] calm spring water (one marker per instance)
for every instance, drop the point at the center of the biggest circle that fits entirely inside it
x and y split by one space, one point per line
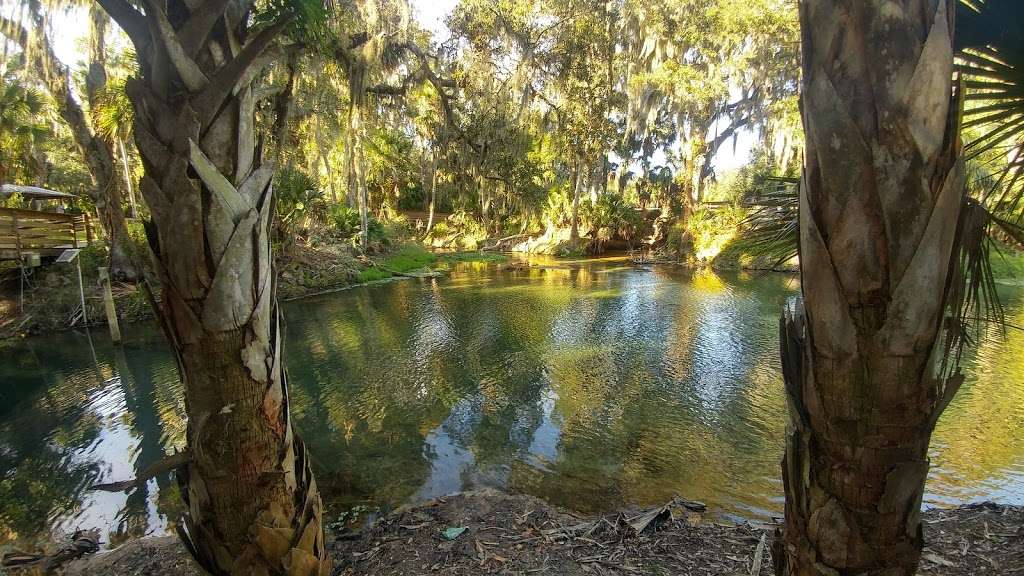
593 385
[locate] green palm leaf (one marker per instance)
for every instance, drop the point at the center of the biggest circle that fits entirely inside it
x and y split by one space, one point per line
990 44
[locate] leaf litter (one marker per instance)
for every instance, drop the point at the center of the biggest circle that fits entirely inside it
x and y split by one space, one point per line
522 535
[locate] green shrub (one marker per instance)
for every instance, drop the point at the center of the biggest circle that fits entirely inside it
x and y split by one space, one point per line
343 221
397 228
375 232
300 203
712 230
611 216
460 230
13 201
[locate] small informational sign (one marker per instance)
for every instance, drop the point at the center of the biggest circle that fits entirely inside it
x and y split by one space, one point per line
68 255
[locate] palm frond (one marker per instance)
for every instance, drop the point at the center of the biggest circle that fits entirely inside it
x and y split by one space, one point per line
972 300
772 229
990 44
990 59
112 113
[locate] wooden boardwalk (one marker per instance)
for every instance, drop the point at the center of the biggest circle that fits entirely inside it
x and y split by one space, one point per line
24 232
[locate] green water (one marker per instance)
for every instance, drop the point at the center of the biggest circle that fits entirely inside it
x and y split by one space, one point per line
593 385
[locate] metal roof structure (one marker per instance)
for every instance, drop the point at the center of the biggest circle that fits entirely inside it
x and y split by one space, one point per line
33 192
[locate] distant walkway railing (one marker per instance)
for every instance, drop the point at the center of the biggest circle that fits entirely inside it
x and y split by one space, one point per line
44 233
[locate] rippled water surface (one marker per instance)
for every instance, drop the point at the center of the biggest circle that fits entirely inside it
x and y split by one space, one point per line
591 384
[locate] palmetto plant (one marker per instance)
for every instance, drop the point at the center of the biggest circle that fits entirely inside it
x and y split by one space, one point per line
990 41
990 53
21 132
113 116
300 203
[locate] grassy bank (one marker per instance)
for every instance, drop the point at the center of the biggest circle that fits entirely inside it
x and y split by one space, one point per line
406 258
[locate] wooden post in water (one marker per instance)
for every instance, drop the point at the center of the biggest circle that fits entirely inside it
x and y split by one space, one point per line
108 305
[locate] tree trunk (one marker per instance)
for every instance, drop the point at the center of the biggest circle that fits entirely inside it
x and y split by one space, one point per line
253 506
881 196
357 178
483 196
128 179
606 174
322 157
574 233
97 154
433 191
590 182
697 149
364 195
108 193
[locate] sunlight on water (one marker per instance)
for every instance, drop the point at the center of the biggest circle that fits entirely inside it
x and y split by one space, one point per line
591 384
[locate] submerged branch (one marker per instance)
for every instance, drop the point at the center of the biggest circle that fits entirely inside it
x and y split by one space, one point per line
168 464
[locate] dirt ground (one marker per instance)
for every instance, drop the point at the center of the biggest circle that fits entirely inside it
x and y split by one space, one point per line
515 534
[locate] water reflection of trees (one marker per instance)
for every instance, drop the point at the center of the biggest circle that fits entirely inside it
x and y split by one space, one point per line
138 373
561 382
979 439
70 406
642 421
45 422
591 386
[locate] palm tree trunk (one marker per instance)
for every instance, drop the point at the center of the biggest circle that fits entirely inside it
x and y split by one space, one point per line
880 200
253 506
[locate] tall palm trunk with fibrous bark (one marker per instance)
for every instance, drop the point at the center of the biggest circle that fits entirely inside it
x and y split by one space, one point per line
880 201
253 505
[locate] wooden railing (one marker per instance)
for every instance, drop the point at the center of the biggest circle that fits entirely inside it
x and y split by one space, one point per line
43 233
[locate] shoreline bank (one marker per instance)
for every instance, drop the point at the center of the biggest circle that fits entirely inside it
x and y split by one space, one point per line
311 274
518 534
